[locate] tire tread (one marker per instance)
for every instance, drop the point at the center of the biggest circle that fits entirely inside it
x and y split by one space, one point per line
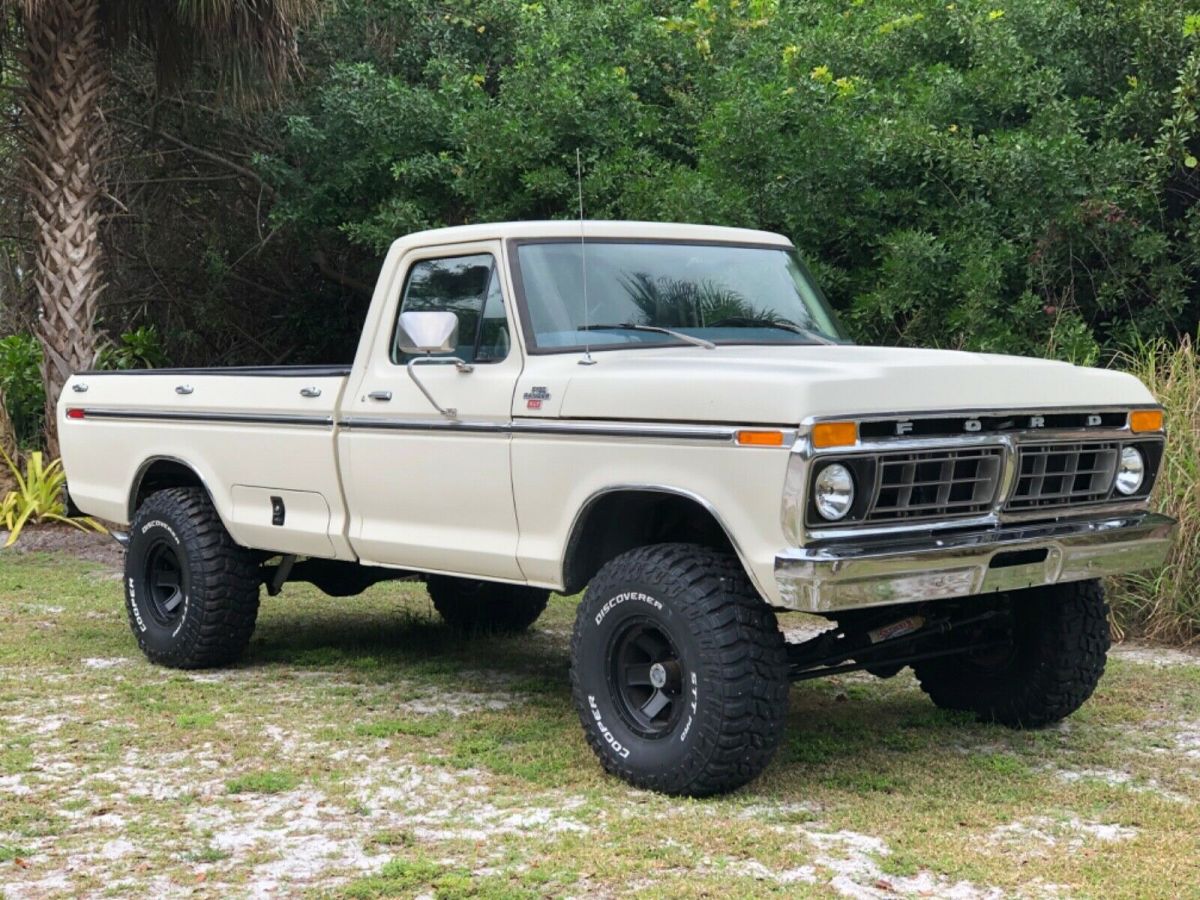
1067 663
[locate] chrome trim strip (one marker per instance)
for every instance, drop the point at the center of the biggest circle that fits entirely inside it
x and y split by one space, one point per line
719 433
665 431
364 423
317 371
1008 439
168 415
974 411
554 427
832 577
1076 511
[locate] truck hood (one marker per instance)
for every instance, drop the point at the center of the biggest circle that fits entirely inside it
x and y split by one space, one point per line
784 385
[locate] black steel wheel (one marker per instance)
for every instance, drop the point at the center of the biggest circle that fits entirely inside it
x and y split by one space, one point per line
165 579
646 677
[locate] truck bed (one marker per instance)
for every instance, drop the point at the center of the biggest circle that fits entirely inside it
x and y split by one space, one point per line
260 437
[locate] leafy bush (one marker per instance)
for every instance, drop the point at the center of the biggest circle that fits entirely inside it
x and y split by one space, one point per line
21 386
1165 604
1017 177
141 348
38 497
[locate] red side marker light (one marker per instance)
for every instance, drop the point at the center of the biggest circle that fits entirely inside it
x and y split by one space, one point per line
75 413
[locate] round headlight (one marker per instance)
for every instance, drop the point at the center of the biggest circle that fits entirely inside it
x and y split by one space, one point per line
833 492
1131 471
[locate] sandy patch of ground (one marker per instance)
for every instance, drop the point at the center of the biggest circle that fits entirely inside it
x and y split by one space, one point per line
1042 834
89 545
1150 655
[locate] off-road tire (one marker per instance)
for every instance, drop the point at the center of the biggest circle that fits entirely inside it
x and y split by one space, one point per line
1060 642
729 659
482 607
219 581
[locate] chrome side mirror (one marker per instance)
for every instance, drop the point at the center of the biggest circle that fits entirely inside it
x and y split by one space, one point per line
430 332
427 332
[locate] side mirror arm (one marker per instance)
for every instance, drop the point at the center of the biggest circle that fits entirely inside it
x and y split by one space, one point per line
460 365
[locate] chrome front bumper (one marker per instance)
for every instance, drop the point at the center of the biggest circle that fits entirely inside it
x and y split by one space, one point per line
846 574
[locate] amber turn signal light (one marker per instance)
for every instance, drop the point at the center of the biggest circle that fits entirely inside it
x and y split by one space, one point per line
760 438
1145 420
834 434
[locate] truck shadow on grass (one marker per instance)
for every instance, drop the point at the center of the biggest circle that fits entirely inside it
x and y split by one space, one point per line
409 646
853 734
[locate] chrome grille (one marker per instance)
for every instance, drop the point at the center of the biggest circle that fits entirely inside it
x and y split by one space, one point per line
1052 475
936 484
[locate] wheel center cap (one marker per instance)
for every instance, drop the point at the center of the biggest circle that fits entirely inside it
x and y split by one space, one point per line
658 675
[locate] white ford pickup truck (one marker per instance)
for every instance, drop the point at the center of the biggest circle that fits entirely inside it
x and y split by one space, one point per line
670 417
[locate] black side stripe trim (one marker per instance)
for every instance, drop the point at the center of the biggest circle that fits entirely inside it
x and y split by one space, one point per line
682 433
218 418
716 435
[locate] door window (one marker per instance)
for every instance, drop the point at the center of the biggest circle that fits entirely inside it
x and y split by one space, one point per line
469 287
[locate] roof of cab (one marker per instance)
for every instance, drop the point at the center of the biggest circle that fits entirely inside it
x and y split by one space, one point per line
599 230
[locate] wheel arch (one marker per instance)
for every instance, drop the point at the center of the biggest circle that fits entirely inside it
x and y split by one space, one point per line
621 517
158 473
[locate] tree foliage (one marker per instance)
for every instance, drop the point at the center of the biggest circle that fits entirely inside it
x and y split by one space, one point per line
1008 176
1004 176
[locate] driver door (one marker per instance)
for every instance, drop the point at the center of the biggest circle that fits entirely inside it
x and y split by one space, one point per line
426 491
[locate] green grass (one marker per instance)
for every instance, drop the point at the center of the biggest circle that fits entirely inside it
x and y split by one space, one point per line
363 750
11 854
429 727
263 783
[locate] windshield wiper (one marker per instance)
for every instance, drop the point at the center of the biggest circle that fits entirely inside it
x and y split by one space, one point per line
813 336
630 326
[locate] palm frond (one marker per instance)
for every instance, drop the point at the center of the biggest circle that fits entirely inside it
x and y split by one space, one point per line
683 303
249 46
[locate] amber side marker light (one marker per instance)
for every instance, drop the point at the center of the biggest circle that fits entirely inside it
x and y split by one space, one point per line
834 434
760 438
1145 420
75 413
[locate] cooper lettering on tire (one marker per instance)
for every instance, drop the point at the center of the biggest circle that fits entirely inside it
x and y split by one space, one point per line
190 591
679 672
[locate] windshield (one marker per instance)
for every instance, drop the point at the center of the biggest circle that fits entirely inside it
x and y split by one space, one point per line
717 293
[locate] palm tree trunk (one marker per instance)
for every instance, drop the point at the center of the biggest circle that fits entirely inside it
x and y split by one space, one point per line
64 130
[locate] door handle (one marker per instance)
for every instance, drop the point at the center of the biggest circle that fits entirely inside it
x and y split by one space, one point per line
384 396
183 388
310 392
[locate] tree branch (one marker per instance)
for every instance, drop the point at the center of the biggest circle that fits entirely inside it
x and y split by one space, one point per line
321 261
204 154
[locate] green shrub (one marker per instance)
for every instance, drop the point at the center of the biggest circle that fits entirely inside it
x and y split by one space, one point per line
37 497
1165 604
141 348
1018 178
21 386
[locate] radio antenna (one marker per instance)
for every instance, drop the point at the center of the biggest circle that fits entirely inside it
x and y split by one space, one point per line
587 322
